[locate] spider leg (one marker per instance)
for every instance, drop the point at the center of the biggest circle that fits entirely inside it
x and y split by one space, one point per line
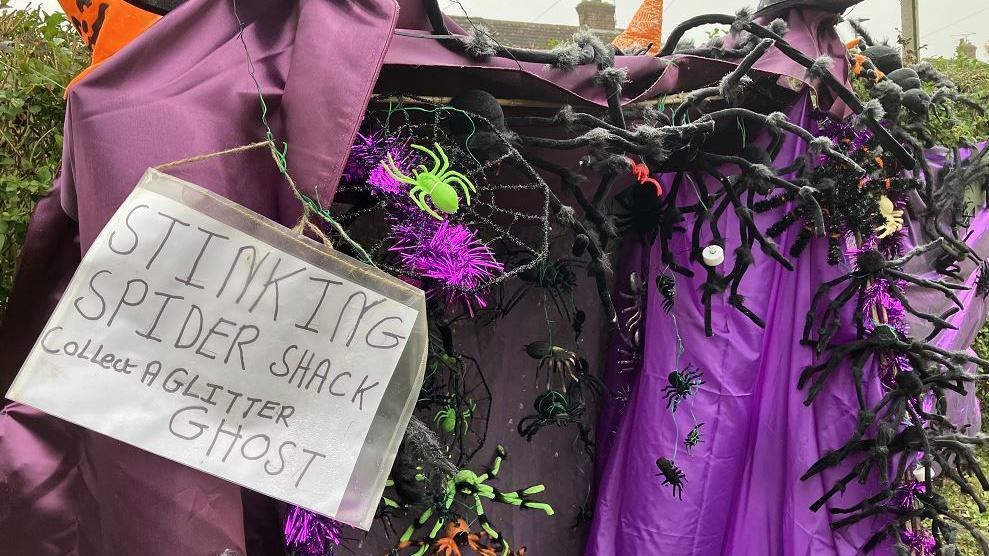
867 503
495 468
857 366
436 160
446 161
419 199
461 177
947 289
392 170
831 319
919 250
938 322
821 291
422 520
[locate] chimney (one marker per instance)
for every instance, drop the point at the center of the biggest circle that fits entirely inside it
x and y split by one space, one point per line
596 14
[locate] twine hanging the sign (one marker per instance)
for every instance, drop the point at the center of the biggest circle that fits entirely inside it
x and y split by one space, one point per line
279 156
304 222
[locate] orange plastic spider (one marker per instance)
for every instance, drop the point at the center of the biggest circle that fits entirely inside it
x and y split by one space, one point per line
859 64
456 533
641 174
486 549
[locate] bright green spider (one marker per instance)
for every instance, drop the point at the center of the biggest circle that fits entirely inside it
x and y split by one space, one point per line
437 183
470 484
446 418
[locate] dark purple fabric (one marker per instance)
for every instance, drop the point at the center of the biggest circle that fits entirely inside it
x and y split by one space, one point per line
181 89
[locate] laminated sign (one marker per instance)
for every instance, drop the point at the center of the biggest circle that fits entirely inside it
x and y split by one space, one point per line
207 334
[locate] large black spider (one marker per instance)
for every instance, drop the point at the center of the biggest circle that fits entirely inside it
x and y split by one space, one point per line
872 265
672 476
884 340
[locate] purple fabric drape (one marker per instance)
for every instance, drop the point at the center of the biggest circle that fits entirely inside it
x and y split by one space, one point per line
743 494
179 90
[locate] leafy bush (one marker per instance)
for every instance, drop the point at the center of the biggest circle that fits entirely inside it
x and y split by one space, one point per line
963 122
39 54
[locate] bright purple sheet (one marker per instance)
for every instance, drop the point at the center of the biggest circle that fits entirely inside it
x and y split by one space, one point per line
743 495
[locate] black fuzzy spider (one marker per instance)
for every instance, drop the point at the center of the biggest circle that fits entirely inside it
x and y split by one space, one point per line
681 384
884 341
872 265
982 281
672 476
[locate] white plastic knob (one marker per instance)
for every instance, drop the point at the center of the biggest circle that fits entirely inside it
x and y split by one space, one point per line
920 473
713 255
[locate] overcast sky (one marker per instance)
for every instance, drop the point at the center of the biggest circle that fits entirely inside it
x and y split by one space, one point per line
942 22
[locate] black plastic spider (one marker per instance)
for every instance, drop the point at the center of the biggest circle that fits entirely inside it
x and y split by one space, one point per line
672 476
556 278
872 265
667 287
553 407
681 384
557 361
693 437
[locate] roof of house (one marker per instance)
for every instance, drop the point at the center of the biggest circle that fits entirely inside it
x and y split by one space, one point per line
522 34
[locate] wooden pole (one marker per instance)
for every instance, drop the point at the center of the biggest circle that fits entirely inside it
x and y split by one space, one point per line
910 30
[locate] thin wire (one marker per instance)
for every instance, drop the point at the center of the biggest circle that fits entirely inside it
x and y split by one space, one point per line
473 126
544 12
489 35
280 155
962 20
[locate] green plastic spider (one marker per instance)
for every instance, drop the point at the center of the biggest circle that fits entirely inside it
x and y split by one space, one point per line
446 418
436 183
470 484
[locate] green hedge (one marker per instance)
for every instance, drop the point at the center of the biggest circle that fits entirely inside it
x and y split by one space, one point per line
972 78
39 54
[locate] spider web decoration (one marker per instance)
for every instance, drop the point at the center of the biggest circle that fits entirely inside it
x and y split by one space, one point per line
456 399
508 213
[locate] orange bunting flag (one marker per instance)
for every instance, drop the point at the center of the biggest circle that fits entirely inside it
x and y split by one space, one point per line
646 28
106 26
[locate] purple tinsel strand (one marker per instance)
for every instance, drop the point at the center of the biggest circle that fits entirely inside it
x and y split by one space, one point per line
842 133
367 152
381 181
905 495
877 300
310 534
920 542
450 255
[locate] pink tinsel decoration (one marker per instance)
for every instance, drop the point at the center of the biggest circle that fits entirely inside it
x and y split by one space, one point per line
920 542
449 255
906 493
310 534
382 182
